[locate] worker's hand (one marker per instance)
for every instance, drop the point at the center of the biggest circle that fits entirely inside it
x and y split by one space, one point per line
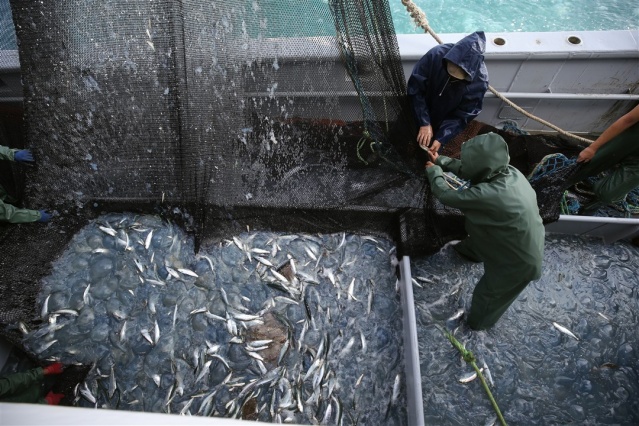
434 147
53 398
586 155
433 156
429 164
424 136
55 368
44 216
24 156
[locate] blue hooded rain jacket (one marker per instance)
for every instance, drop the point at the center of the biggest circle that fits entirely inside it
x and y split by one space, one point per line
448 105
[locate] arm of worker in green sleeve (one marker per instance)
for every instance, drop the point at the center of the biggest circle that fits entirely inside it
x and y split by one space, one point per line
466 198
448 164
11 214
17 383
7 153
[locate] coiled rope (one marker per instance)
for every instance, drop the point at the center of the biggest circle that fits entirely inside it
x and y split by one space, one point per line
420 19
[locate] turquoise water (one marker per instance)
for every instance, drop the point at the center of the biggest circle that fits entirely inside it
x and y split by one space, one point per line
465 16
312 18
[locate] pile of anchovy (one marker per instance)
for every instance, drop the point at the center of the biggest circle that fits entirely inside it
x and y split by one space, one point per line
280 328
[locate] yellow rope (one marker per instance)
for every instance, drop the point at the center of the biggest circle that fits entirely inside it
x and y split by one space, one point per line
420 19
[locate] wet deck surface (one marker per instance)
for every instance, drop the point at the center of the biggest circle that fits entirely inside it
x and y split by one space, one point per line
541 375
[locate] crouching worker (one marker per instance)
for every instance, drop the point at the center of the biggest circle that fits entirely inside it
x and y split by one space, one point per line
28 386
502 220
616 151
9 213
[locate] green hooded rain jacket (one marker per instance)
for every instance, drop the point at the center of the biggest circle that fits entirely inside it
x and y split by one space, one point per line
502 220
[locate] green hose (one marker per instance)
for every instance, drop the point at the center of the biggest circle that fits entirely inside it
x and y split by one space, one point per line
470 358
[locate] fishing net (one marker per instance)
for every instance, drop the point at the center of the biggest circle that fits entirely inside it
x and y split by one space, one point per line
276 116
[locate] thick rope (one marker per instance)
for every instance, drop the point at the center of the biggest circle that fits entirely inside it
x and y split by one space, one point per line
470 358
420 19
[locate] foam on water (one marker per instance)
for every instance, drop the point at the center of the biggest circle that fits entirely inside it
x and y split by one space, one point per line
466 16
541 375
271 327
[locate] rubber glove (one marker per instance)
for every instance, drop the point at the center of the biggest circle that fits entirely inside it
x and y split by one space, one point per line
24 156
44 216
55 368
53 398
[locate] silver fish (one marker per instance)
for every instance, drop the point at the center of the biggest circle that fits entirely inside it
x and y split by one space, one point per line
112 383
264 261
138 265
109 231
351 289
205 371
347 348
45 307
172 272
279 276
208 259
23 328
245 317
457 315
67 312
565 330
146 335
260 251
123 331
469 377
257 343
310 253
603 316
488 375
174 315
327 414
396 389
255 355
156 333
226 364
188 272
85 392
147 242
212 348
46 346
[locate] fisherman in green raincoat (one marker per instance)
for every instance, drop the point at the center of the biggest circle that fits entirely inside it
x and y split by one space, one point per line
502 220
616 151
9 213
29 386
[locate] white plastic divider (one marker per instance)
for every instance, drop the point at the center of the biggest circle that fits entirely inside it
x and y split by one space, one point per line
610 229
415 405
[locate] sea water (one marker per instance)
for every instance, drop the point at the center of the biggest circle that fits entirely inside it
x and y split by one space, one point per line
541 375
263 326
466 16
295 18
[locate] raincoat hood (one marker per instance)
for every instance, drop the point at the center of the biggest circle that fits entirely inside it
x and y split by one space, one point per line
468 54
484 157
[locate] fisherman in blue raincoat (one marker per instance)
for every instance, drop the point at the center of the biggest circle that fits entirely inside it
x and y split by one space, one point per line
447 88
